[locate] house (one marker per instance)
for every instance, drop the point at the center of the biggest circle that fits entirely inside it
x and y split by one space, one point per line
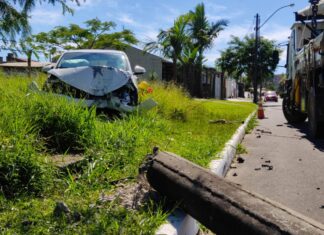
152 63
20 65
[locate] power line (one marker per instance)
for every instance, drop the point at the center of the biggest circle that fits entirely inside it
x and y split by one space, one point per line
250 29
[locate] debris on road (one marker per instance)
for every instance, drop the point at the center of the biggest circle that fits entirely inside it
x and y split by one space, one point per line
240 160
233 166
266 132
257 169
235 174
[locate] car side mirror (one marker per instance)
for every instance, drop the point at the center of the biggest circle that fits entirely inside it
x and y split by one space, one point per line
138 70
47 68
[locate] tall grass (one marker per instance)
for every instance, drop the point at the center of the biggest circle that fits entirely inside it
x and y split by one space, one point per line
22 170
35 125
62 125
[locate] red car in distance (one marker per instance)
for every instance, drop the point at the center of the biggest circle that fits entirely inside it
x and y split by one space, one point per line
270 96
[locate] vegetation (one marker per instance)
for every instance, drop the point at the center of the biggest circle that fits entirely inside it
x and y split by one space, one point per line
15 15
238 59
202 31
33 127
95 35
186 41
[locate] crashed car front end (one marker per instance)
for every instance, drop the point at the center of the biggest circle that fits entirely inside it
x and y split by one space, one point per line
95 78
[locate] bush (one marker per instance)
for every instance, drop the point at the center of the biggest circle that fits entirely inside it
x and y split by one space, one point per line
173 101
22 170
63 125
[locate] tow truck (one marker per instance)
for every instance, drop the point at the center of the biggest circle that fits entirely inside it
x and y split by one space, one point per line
304 87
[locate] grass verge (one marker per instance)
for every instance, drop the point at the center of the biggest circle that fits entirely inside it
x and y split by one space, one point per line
34 126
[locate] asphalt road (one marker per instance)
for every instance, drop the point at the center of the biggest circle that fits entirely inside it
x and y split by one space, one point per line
283 164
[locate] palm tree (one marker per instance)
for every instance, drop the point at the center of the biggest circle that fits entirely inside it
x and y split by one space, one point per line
172 42
14 21
202 31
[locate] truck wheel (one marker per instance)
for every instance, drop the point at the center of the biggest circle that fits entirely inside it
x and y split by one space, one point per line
292 116
315 125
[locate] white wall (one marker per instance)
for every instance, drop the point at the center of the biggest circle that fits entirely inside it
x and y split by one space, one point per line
218 87
231 88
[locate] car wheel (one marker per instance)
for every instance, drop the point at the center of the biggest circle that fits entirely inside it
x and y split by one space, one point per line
292 116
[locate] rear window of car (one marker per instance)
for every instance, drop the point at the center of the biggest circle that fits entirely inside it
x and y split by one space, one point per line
271 93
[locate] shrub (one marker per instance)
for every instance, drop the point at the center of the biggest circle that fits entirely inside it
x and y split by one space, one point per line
22 171
64 125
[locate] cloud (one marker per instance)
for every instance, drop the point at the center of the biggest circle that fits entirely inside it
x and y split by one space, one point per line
148 35
236 30
276 32
215 6
84 5
52 17
127 19
211 57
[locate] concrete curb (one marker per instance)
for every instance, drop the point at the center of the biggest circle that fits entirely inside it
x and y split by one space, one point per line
221 166
182 224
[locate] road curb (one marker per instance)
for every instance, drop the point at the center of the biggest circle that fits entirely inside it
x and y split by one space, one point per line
182 224
221 166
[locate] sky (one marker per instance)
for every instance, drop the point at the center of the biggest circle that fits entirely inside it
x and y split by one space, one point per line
146 17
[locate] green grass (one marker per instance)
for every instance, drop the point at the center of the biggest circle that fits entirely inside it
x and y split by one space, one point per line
241 149
34 126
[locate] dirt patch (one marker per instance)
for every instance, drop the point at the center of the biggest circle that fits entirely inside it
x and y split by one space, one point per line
63 161
133 195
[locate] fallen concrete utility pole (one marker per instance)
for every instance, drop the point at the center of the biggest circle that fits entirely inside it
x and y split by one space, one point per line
223 207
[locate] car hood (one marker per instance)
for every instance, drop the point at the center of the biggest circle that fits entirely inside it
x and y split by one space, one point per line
97 81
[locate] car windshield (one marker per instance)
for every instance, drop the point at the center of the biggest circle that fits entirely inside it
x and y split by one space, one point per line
80 59
271 93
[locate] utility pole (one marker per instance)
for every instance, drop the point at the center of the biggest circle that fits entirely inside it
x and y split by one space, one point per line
256 73
256 58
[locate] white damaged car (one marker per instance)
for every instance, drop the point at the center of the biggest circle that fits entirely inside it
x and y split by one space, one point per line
101 78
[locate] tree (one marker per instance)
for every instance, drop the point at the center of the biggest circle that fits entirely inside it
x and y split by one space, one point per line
238 58
202 32
95 35
186 41
14 16
172 42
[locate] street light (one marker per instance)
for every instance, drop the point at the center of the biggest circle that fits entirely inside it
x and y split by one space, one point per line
256 54
290 5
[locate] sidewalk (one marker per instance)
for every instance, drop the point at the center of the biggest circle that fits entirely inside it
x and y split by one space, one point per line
240 99
283 165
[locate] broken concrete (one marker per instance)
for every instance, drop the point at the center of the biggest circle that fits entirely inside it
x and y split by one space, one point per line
67 161
220 205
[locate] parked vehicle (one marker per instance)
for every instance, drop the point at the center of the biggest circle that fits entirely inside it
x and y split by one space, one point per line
304 88
270 96
101 78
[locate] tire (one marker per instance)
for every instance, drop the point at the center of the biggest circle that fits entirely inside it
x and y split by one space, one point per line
315 125
292 116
